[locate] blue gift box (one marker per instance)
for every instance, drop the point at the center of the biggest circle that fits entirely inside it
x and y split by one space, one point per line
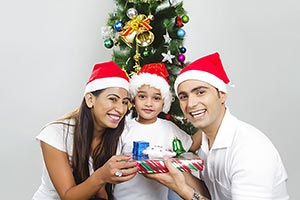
138 148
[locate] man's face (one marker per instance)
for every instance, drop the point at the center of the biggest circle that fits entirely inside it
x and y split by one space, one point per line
202 104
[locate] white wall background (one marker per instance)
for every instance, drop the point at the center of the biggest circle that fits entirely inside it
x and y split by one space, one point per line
47 50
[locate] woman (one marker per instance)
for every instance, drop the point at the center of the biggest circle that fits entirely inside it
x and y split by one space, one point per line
78 150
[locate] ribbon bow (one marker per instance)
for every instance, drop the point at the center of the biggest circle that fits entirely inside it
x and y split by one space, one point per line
138 23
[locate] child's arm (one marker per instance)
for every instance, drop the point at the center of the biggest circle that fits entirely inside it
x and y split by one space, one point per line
197 141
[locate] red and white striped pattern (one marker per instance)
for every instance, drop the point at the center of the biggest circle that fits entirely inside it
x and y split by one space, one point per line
158 166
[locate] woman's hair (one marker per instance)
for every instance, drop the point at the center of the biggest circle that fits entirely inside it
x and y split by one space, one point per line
83 137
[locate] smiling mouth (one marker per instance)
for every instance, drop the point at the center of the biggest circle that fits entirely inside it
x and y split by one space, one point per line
198 114
115 118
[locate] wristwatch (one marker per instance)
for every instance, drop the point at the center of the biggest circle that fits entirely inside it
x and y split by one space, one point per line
196 195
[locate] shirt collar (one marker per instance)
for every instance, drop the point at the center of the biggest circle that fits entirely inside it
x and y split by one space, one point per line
225 134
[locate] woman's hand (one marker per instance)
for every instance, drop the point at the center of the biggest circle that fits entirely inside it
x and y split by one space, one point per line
117 169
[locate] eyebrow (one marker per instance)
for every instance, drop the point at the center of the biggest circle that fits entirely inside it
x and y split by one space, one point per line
117 96
194 89
142 92
198 88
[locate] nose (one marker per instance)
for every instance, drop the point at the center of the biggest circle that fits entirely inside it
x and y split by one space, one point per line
148 102
121 108
192 101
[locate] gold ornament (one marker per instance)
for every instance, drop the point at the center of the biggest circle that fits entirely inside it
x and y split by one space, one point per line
144 39
128 39
134 27
137 56
137 68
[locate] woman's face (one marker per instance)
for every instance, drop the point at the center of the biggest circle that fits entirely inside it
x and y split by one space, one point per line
108 108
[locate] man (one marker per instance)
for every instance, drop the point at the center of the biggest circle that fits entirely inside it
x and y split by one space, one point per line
240 161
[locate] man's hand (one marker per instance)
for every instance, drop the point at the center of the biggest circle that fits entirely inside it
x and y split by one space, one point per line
174 179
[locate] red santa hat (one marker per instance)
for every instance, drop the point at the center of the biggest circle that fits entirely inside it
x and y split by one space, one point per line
208 69
105 75
155 75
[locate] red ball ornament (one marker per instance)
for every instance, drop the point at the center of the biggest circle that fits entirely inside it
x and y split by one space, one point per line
181 58
168 116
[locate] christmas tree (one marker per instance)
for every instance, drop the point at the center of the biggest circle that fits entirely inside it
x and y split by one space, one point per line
149 31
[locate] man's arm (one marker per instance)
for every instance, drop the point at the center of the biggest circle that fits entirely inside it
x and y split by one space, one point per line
183 183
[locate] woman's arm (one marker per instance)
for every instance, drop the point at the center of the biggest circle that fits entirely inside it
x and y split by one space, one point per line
60 172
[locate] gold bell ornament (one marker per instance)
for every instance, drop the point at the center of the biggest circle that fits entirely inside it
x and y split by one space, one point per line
144 39
138 29
129 38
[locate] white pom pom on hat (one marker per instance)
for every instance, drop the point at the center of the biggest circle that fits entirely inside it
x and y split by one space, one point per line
155 75
208 69
105 75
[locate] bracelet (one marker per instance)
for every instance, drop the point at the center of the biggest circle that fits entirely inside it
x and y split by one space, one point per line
196 195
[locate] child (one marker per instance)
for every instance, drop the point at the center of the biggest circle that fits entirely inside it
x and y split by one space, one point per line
150 94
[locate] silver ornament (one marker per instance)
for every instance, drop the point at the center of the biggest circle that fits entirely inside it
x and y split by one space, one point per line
131 13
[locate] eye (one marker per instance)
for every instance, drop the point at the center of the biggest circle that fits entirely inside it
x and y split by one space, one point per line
113 99
141 96
125 102
157 98
200 91
182 97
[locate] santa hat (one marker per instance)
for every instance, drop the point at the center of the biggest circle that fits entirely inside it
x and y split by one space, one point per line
208 69
105 75
155 75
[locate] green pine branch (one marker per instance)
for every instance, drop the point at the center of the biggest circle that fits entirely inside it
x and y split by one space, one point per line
163 18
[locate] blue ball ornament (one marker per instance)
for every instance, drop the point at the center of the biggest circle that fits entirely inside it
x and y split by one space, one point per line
118 26
180 33
182 49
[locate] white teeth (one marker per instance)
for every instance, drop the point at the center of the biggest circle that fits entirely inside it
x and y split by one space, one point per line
115 117
197 113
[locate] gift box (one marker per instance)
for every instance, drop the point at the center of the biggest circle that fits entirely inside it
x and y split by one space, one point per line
150 159
185 163
138 147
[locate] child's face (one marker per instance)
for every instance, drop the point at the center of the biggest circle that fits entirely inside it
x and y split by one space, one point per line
148 103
